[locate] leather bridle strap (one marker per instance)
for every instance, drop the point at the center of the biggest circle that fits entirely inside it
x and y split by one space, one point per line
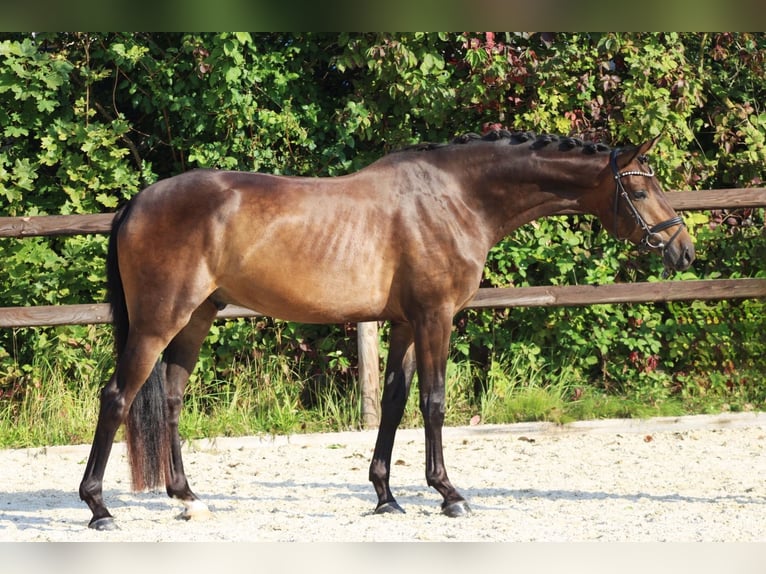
651 237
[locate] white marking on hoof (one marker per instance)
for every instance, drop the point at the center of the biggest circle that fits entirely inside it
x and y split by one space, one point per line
195 510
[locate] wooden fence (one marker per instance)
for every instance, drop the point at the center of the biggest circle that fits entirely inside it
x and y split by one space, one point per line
369 370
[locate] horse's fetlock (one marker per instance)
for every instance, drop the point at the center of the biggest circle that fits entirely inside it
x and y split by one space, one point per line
87 488
436 479
378 471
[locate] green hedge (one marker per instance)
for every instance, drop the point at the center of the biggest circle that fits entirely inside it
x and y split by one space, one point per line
88 119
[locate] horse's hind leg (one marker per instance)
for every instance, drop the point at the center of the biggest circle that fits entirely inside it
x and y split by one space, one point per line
111 413
179 360
400 368
134 368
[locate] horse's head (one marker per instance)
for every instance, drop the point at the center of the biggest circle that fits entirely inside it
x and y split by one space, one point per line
641 212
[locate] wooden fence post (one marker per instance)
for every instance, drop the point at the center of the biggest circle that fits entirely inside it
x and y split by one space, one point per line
369 373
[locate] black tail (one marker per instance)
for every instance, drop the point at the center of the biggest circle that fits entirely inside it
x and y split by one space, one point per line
114 284
146 423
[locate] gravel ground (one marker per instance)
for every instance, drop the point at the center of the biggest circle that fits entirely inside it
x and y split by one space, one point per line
669 479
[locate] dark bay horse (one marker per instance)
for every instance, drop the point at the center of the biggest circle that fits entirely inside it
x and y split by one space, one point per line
404 240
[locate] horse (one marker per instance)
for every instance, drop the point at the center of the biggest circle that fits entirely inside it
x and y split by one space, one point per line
403 240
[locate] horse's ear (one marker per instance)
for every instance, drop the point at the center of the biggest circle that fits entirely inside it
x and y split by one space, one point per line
626 155
629 153
644 148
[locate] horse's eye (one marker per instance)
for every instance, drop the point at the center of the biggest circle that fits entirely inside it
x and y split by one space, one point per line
640 194
642 159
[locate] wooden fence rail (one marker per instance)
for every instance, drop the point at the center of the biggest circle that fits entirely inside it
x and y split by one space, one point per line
369 370
493 298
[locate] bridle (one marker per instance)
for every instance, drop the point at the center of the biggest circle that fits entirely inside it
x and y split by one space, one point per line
651 238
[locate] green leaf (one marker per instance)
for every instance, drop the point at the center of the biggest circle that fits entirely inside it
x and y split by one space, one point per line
107 200
244 37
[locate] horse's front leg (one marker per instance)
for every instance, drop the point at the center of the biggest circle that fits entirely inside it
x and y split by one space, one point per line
400 367
432 336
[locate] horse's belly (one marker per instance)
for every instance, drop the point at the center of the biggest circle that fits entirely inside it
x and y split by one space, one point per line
312 296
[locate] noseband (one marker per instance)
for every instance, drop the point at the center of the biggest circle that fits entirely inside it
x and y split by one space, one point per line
651 238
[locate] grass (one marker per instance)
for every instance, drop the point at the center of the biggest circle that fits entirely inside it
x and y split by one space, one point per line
60 405
48 413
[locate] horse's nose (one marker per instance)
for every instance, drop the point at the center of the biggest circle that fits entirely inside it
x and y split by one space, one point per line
686 258
679 255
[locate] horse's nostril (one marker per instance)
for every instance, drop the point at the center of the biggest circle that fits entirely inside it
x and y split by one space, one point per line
687 256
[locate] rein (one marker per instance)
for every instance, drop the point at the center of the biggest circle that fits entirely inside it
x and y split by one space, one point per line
651 239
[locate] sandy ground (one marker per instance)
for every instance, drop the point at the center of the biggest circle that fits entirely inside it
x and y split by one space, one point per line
670 479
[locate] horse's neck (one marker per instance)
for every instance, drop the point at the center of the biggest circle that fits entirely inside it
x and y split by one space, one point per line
529 186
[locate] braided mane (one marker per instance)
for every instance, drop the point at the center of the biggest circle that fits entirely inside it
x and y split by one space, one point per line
563 143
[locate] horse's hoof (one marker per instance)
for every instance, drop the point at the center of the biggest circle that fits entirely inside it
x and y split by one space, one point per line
195 510
389 508
106 523
455 509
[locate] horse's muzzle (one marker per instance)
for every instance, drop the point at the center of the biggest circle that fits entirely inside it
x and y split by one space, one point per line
679 255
